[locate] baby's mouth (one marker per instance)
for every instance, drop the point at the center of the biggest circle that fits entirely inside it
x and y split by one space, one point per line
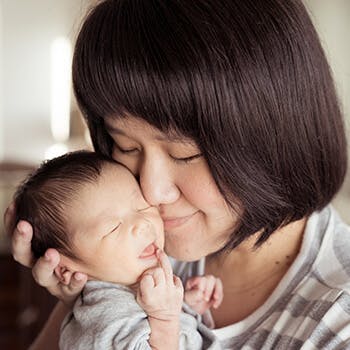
149 251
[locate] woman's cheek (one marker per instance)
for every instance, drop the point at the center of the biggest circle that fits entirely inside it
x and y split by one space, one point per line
129 162
205 194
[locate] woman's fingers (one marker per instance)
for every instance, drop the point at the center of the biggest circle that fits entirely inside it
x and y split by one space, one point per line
21 236
21 243
44 269
77 282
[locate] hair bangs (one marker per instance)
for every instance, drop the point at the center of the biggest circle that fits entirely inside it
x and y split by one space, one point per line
131 66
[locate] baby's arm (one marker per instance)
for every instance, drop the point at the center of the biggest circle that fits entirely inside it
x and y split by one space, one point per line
203 292
160 295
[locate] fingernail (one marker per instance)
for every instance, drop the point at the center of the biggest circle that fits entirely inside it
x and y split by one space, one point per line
20 228
78 276
47 256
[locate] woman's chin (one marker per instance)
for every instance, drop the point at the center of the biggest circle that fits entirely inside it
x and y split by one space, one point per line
182 252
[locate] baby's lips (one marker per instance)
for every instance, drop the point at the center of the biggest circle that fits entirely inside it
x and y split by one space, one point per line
150 250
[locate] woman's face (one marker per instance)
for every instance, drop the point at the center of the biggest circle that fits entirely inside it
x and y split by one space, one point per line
174 177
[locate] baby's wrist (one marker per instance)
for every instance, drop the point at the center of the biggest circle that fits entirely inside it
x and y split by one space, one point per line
169 315
164 331
165 319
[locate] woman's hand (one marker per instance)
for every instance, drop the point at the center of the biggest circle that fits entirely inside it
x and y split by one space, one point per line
43 269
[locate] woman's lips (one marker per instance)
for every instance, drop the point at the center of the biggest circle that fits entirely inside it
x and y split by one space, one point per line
176 222
149 251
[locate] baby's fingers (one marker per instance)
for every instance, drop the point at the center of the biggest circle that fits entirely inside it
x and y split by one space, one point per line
178 283
145 288
218 293
165 265
193 296
209 287
198 282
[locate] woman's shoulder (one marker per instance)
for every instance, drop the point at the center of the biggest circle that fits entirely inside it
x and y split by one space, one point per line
332 264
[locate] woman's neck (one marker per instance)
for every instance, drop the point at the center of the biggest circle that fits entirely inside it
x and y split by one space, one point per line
250 275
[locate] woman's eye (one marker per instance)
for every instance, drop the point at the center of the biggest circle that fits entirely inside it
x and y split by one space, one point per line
126 150
186 159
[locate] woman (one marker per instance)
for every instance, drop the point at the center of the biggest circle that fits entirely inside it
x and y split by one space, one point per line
227 115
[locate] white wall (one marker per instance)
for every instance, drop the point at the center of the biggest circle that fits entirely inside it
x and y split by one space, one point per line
332 21
29 27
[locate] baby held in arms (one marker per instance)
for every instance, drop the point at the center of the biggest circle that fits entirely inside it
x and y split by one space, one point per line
92 211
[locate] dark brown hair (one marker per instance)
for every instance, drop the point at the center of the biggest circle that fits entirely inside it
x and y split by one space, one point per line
248 81
43 199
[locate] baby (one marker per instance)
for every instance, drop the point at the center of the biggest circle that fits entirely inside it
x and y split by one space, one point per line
92 211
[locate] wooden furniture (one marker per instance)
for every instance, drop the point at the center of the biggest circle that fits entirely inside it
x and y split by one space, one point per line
24 306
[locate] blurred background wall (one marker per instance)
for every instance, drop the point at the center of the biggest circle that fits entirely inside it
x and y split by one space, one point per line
332 21
29 31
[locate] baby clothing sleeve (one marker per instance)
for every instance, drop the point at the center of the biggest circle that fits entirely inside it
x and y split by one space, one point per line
107 316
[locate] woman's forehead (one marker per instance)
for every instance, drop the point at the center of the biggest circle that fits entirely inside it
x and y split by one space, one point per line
129 126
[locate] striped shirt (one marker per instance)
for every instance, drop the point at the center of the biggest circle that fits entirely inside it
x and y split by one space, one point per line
310 308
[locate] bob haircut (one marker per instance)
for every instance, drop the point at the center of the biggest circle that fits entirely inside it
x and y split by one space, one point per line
45 196
248 81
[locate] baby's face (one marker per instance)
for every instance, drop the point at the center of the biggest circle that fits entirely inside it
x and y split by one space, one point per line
116 232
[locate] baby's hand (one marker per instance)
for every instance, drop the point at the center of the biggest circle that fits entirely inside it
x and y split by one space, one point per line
160 293
203 292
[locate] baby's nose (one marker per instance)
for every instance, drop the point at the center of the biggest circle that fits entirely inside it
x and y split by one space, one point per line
142 227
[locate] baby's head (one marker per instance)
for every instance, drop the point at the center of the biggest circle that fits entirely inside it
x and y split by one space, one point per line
92 211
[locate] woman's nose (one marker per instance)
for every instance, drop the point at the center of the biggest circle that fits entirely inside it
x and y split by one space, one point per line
157 181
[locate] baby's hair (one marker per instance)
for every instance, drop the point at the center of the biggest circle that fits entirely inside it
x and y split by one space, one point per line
43 199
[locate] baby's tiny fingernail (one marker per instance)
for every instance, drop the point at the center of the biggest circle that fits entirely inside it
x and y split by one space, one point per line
47 256
79 276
